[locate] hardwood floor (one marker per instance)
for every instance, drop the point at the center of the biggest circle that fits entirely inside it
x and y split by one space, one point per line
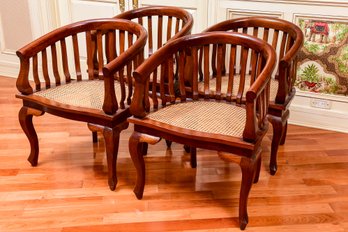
68 191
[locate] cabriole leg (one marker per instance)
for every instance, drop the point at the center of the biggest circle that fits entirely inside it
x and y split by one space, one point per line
285 130
136 142
112 139
277 133
249 169
25 116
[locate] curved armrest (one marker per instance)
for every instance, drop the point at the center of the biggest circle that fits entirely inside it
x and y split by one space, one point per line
257 97
284 64
134 52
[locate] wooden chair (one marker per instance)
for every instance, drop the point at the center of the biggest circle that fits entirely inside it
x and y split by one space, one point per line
287 39
74 89
163 23
232 124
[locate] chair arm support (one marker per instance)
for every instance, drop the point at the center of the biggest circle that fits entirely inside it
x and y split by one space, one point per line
256 98
117 64
22 82
285 63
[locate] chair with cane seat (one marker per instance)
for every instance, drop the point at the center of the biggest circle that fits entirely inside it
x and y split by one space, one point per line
68 91
233 125
287 39
163 23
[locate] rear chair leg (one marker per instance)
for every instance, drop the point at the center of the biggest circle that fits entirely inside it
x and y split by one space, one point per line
92 128
25 116
112 140
278 127
193 157
285 130
168 143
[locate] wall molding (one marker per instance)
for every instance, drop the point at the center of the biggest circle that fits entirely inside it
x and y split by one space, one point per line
303 2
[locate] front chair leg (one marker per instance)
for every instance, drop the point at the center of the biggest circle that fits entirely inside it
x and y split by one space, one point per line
112 139
250 173
25 116
249 170
136 142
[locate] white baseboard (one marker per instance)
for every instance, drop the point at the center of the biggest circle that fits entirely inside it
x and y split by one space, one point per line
334 118
9 69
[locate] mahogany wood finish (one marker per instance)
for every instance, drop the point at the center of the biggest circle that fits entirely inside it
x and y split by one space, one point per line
52 50
246 147
163 23
287 39
66 192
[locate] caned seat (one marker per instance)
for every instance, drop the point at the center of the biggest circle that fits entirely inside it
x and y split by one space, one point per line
287 40
91 94
74 89
203 116
234 126
224 85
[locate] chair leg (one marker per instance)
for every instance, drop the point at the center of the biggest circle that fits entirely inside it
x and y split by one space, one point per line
135 144
95 136
112 139
25 116
187 148
144 148
257 172
285 130
92 127
277 133
169 143
193 156
249 169
136 152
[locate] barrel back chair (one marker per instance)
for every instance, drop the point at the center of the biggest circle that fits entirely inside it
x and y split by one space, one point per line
233 125
287 39
163 23
65 83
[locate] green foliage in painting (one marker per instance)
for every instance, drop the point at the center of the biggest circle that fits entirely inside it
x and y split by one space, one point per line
312 48
342 60
310 73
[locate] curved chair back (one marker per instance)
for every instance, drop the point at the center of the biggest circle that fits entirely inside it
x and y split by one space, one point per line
163 23
285 37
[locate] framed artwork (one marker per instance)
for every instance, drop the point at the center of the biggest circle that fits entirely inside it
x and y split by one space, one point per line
323 60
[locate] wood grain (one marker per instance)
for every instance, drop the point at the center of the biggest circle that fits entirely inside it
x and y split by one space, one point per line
66 192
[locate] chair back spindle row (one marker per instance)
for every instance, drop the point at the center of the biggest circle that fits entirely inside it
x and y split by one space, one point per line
68 54
284 39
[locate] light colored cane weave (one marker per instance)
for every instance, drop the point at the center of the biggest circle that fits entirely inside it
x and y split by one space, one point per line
224 84
88 94
204 116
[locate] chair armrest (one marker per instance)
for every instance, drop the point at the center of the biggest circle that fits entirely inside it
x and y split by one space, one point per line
285 83
257 100
117 64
